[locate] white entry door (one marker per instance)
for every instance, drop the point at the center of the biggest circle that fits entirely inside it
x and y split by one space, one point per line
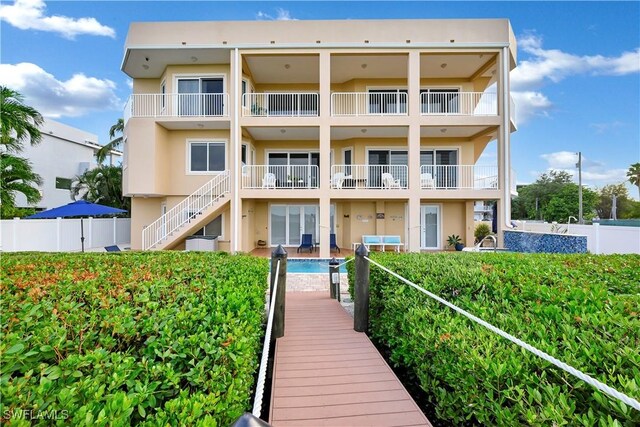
289 222
430 227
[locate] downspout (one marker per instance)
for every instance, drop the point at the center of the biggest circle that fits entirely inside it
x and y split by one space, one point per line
506 138
237 147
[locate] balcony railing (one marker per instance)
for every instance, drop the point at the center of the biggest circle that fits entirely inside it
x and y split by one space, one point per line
369 176
177 105
459 177
280 104
280 176
459 103
368 104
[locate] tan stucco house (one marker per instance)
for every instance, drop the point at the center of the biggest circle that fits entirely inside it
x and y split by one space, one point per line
259 132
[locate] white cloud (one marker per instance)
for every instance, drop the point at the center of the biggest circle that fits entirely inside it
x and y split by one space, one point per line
606 127
594 173
54 98
30 15
281 15
546 66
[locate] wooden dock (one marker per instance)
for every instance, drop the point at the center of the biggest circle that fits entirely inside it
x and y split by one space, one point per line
326 374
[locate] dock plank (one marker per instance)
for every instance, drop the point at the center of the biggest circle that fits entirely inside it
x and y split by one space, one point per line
326 374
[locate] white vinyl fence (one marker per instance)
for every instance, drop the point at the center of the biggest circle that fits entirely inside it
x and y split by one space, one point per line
62 235
601 239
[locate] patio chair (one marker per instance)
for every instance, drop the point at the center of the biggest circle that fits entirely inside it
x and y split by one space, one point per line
389 182
269 180
306 242
113 248
427 181
332 242
338 179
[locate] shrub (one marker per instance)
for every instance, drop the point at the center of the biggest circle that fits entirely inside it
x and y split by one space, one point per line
582 309
134 338
482 230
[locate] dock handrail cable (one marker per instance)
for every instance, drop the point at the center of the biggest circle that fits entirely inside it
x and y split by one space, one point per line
262 373
579 374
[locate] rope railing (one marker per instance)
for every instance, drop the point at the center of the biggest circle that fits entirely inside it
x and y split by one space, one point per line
346 262
573 371
262 373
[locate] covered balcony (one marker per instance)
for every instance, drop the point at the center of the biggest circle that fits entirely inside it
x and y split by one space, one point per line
280 177
446 102
372 103
458 177
294 104
173 105
364 177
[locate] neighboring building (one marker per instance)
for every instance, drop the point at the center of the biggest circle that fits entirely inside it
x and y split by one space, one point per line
483 211
64 153
316 127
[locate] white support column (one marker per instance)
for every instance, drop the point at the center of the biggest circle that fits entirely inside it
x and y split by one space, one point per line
413 151
236 144
325 153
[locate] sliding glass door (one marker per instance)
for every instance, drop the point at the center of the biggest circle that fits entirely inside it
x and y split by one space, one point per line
290 222
295 169
386 158
441 164
200 97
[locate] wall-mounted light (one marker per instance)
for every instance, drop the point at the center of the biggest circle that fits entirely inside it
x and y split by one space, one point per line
283 131
443 65
287 66
443 130
363 66
145 66
363 130
194 59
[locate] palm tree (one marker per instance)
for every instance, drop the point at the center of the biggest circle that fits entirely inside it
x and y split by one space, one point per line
101 185
20 123
116 141
634 175
17 177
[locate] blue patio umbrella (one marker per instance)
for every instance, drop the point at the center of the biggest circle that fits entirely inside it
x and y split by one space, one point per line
79 208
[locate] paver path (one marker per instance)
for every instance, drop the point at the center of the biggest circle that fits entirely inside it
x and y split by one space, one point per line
326 374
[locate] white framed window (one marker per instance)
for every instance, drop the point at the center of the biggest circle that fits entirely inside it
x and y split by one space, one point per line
205 157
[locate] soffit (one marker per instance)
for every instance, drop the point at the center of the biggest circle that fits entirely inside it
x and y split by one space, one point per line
281 69
290 133
459 65
349 132
348 67
451 131
149 63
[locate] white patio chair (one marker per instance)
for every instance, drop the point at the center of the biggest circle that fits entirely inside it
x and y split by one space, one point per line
427 181
337 180
389 182
269 180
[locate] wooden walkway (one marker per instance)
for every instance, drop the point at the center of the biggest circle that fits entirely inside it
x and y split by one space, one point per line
326 374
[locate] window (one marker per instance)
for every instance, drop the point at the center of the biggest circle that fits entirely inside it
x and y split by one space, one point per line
214 228
244 90
243 155
207 156
163 91
200 97
63 183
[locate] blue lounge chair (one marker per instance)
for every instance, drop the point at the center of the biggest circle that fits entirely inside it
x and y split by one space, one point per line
332 242
114 248
307 242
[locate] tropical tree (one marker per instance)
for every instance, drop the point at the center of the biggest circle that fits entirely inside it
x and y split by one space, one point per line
634 175
16 176
116 133
553 197
101 185
19 123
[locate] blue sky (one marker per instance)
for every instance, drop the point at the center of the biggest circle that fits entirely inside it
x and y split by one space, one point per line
577 86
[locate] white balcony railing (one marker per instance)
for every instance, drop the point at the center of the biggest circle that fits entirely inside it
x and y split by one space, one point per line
459 103
369 176
177 105
459 177
280 104
368 104
280 176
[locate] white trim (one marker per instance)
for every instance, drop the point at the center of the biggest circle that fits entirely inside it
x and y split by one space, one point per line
439 226
190 141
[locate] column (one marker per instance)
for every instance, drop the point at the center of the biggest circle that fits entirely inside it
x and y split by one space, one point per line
470 237
234 149
325 153
413 80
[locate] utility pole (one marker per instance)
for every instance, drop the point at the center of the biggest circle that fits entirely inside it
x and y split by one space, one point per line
579 166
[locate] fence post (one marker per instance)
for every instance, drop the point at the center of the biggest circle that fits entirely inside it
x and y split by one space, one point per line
361 304
596 235
279 254
334 279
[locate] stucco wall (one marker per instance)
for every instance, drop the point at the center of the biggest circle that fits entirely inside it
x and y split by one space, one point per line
523 241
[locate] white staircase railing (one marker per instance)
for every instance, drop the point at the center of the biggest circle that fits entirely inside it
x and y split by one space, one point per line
186 210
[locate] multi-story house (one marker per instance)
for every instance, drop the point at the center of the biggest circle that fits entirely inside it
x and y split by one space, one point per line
260 132
64 153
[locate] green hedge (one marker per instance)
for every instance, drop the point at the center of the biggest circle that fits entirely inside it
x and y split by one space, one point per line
582 309
134 338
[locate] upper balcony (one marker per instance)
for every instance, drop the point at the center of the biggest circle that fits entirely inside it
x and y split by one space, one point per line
437 102
181 106
293 104
372 103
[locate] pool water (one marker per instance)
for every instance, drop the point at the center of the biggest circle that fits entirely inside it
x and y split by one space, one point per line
312 266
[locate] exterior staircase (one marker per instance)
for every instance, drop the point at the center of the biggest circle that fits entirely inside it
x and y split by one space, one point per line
189 215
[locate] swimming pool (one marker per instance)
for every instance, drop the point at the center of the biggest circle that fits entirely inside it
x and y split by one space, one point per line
312 266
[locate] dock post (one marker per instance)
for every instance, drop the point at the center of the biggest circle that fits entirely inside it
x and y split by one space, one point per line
279 254
361 303
334 279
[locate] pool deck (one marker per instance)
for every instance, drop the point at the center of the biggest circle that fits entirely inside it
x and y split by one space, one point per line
326 374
